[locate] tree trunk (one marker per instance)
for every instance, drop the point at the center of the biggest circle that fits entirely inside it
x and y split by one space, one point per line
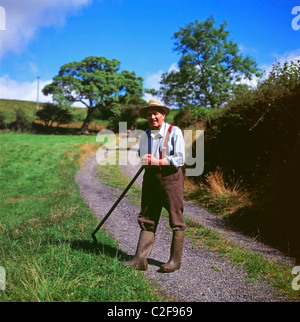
86 123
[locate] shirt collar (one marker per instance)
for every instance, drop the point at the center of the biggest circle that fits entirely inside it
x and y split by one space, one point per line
161 133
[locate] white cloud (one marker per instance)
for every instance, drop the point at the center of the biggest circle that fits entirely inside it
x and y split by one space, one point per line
173 67
281 58
267 68
24 18
23 21
252 83
24 91
246 50
152 81
287 56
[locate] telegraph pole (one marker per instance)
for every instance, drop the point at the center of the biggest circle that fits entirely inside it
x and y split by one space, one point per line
38 92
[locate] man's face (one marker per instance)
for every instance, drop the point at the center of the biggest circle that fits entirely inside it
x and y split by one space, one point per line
155 118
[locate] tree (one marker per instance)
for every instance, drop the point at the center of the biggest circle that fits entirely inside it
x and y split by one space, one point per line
210 66
51 113
129 114
96 82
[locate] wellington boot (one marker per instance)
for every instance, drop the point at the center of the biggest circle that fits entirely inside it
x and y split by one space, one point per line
174 262
144 248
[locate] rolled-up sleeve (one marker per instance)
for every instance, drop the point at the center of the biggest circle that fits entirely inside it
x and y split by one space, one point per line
176 148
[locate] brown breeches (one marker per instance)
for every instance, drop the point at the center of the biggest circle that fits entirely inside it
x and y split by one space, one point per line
162 187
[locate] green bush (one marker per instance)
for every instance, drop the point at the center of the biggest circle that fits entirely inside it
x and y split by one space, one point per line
51 113
190 116
258 136
2 121
21 123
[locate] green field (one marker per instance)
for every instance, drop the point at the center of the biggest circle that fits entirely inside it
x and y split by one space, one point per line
45 227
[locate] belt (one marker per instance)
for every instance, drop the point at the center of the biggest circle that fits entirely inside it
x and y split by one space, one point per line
168 170
154 170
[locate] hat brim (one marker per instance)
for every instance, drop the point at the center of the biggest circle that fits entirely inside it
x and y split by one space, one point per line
143 111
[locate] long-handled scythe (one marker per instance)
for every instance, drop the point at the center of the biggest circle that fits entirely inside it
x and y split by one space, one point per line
116 204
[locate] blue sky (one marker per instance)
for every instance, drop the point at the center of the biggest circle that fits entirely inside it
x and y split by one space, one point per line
41 36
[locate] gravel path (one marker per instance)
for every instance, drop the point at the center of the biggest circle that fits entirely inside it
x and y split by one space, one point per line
204 276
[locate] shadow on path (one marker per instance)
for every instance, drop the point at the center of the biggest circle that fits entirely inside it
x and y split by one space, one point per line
102 248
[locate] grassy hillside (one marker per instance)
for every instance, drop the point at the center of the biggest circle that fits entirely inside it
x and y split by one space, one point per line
9 107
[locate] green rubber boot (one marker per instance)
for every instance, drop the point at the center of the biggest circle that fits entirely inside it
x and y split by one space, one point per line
174 262
144 248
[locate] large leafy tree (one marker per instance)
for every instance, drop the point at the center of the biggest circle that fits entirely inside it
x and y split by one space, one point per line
209 69
96 82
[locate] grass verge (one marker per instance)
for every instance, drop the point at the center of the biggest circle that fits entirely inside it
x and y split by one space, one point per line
46 247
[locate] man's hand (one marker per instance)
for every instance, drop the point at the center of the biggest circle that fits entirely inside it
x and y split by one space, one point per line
150 160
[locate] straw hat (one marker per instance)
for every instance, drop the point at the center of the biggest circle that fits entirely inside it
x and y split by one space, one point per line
152 104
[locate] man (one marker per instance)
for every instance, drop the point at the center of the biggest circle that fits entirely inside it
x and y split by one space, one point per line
163 154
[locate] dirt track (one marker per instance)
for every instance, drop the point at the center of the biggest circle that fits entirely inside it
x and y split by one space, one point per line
205 276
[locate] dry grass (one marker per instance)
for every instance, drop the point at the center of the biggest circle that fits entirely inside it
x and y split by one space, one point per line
190 187
22 199
228 194
220 195
75 125
218 186
87 150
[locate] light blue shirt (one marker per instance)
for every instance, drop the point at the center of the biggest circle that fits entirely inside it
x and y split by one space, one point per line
175 149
